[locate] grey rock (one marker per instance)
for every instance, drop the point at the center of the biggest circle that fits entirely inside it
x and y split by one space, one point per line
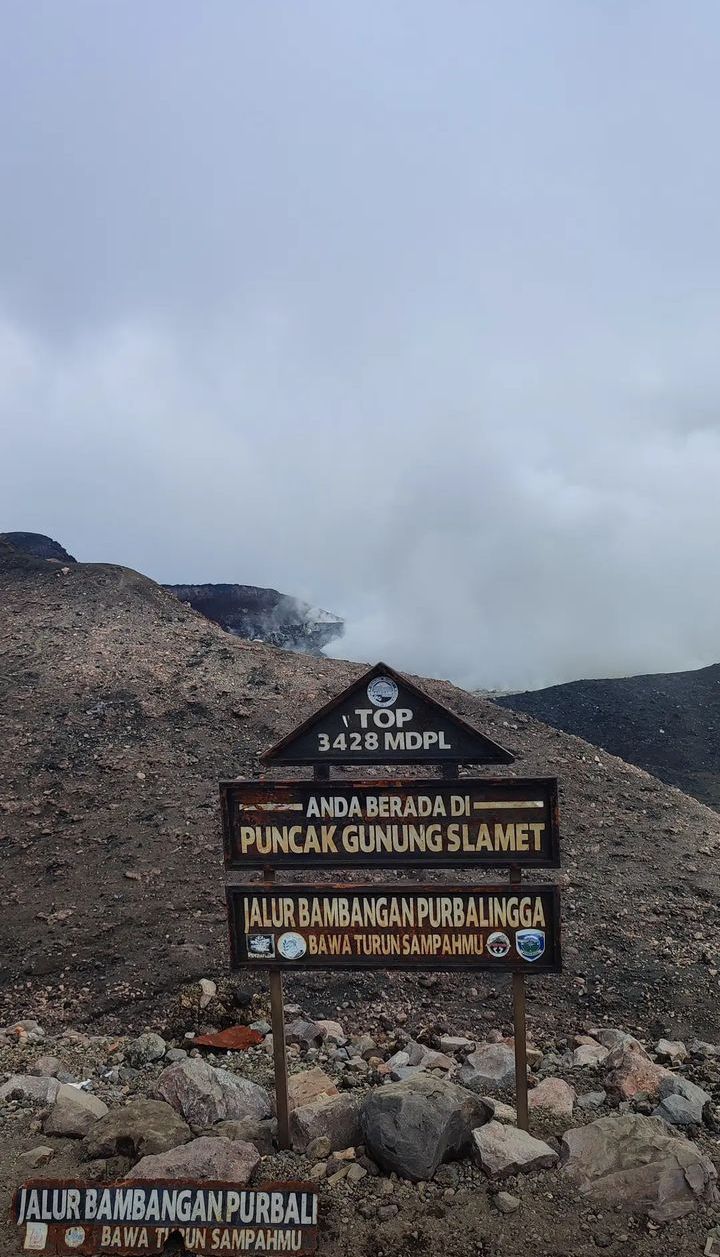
591 1100
35 1090
504 1150
206 1095
335 1117
262 1027
205 1159
590 1055
676 1110
637 1164
142 1128
303 1033
675 1084
145 1049
490 1067
412 1127
73 1113
319 1149
173 1055
455 1043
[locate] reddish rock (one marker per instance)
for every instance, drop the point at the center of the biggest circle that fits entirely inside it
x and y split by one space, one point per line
553 1096
214 1159
634 1073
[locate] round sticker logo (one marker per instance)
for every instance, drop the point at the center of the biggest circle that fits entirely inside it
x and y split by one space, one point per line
498 945
530 944
382 692
74 1236
291 946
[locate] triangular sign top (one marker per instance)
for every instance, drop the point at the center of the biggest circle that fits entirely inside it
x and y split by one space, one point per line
382 718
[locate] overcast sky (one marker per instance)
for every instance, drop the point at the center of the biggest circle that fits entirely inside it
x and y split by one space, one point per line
411 309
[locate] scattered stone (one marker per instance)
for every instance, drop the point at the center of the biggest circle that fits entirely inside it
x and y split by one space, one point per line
206 1095
318 1170
303 1033
438 1060
612 1039
386 1212
675 1084
262 1027
712 1243
145 1049
35 1157
73 1113
503 1150
637 1164
633 1072
412 1127
589 1054
671 1050
318 1149
262 1132
490 1067
335 1117
308 1085
208 991
205 1158
356 1172
46 1067
455 1043
36 1090
142 1128
173 1055
553 1096
506 1203
501 1112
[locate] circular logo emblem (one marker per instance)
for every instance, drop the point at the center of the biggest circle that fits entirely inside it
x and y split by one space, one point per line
382 692
291 946
74 1236
530 944
498 945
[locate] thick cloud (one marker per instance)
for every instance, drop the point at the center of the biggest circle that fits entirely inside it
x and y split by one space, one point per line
412 312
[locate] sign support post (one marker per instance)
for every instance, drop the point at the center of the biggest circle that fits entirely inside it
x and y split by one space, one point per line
277 1020
520 1033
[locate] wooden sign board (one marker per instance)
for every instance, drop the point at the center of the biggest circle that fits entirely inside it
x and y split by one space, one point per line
415 927
142 1216
382 719
412 823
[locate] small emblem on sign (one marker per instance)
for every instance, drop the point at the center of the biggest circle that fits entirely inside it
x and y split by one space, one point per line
291 946
530 944
35 1236
74 1236
498 945
382 692
260 945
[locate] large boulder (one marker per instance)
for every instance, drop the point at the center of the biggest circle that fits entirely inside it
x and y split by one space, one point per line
214 1159
33 1090
503 1150
632 1072
491 1067
140 1129
637 1163
335 1117
412 1127
74 1112
205 1095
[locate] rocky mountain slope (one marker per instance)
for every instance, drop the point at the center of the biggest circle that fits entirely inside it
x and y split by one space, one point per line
122 709
37 545
264 614
667 723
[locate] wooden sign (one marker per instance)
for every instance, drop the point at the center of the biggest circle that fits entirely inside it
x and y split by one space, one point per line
409 926
382 719
142 1216
490 821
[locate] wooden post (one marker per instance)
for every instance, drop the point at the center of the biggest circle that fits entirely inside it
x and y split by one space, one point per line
520 1033
277 1018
